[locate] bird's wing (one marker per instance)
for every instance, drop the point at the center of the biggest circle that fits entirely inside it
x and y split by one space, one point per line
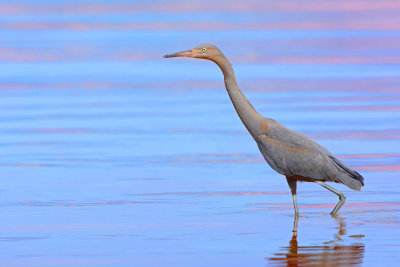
291 153
344 168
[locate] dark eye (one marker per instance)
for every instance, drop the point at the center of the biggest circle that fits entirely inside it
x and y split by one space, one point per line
204 49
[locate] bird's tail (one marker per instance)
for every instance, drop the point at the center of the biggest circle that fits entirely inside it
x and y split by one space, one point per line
350 178
353 182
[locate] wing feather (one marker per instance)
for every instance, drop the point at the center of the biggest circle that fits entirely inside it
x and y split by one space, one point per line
291 153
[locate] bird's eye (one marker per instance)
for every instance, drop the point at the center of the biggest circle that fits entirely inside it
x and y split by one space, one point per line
204 49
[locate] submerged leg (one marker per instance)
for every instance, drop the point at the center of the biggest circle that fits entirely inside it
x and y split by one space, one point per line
293 186
342 197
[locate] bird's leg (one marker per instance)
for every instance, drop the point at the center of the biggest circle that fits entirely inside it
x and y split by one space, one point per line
296 219
293 186
342 197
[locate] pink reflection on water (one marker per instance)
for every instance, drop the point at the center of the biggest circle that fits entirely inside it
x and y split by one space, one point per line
370 156
57 130
76 260
378 85
387 24
385 97
256 58
354 85
85 204
379 168
219 158
258 159
185 7
24 165
72 54
350 205
231 193
360 135
351 108
73 131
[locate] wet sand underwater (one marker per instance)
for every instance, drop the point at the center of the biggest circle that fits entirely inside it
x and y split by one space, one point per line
114 156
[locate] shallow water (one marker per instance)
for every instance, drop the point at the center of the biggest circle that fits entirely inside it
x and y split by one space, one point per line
114 156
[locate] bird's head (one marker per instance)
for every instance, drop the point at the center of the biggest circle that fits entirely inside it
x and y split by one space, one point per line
204 51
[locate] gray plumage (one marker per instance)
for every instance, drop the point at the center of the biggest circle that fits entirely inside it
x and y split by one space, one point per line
294 155
287 152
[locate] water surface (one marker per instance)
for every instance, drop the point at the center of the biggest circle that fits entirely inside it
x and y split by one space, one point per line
114 156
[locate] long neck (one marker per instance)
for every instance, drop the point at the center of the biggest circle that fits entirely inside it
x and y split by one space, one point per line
249 116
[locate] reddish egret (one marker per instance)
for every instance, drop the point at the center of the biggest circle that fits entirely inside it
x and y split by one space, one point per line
287 152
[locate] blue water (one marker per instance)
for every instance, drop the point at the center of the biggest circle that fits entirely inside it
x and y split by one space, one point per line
115 156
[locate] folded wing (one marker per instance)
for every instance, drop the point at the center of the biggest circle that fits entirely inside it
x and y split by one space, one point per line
293 154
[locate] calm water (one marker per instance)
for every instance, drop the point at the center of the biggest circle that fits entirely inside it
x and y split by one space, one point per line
114 156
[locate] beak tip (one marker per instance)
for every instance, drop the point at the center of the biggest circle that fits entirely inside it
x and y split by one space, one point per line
167 56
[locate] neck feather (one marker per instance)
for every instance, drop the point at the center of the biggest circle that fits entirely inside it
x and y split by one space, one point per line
249 116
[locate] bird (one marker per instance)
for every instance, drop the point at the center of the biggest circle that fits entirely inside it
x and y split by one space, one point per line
288 152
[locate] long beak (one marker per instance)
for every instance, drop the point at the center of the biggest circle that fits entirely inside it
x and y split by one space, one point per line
186 53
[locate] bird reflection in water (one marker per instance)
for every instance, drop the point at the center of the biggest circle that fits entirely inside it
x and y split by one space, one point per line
330 253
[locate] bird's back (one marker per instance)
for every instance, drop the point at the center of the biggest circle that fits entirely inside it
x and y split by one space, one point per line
295 155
